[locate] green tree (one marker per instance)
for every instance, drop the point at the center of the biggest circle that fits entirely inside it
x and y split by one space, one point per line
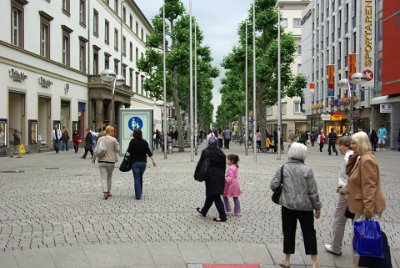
266 61
178 61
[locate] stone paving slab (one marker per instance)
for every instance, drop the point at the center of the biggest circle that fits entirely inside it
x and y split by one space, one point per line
52 204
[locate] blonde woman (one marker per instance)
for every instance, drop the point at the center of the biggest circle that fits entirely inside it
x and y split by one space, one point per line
107 160
365 195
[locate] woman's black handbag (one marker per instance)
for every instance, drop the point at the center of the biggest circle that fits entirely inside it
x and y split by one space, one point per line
202 169
126 163
278 191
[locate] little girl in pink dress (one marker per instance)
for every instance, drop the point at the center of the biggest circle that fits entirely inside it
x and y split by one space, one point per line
232 187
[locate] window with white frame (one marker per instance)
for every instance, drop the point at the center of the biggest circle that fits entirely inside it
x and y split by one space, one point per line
95 22
296 107
45 34
284 22
296 23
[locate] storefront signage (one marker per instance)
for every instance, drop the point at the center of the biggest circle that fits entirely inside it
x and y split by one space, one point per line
45 82
325 117
317 106
386 108
337 116
368 42
345 101
17 76
312 88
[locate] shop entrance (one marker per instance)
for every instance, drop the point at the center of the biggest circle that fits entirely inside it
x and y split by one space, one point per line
16 115
66 116
44 121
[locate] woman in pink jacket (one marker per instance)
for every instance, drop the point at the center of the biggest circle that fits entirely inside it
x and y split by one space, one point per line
232 187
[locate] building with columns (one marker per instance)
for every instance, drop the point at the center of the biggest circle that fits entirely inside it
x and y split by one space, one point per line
51 55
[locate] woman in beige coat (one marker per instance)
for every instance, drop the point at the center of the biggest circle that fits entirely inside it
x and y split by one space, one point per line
107 159
365 195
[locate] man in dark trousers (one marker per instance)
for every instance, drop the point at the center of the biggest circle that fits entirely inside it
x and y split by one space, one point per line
332 137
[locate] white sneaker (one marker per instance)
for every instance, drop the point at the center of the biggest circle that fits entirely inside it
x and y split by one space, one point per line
329 249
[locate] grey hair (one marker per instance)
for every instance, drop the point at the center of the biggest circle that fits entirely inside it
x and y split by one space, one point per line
298 151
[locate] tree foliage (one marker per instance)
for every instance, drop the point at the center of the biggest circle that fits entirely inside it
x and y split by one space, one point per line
266 66
177 65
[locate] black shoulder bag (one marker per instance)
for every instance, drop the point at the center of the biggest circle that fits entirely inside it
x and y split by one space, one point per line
202 169
278 191
126 163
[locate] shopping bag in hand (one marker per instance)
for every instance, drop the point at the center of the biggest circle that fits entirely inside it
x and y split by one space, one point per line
367 239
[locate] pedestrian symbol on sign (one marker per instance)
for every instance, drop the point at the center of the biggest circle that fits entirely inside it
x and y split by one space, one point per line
135 122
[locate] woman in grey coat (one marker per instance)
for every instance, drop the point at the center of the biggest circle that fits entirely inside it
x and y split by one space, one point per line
299 200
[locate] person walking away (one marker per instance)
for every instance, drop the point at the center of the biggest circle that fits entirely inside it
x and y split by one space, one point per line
339 219
76 138
312 138
258 140
88 143
374 139
232 187
220 138
290 137
215 183
227 137
382 137
321 140
300 201
332 137
64 139
56 134
365 195
107 160
17 144
139 150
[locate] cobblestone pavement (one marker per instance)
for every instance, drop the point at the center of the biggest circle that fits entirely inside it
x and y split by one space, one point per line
53 200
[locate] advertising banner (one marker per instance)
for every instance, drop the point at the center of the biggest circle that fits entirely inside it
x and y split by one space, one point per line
331 80
368 42
130 120
352 64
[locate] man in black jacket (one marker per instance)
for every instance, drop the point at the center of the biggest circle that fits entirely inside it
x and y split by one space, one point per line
332 137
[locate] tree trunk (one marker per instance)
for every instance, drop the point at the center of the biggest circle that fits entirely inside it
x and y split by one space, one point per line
178 112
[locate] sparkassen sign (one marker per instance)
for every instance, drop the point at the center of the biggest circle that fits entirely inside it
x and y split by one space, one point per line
368 41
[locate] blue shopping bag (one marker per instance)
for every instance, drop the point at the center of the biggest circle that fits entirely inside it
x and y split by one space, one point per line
367 239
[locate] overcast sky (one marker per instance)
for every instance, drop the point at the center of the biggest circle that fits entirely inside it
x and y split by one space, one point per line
218 19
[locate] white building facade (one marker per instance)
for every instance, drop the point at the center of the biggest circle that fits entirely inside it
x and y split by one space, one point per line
51 55
334 31
293 118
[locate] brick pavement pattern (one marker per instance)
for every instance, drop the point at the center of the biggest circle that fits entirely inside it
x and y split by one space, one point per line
52 204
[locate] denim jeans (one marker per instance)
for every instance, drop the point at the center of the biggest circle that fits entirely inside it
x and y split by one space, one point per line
138 169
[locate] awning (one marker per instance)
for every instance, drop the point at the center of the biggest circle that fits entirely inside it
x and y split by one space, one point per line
384 99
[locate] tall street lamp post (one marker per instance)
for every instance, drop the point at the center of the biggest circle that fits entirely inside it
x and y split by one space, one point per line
117 80
279 83
355 79
254 85
164 86
191 81
246 142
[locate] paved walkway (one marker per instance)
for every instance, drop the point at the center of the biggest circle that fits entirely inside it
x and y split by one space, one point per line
52 214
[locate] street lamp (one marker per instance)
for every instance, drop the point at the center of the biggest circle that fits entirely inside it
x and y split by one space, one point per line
279 83
118 80
355 79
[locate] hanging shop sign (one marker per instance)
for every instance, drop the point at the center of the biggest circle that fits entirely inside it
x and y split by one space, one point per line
345 101
17 76
312 88
325 117
317 106
368 41
386 108
337 116
331 80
